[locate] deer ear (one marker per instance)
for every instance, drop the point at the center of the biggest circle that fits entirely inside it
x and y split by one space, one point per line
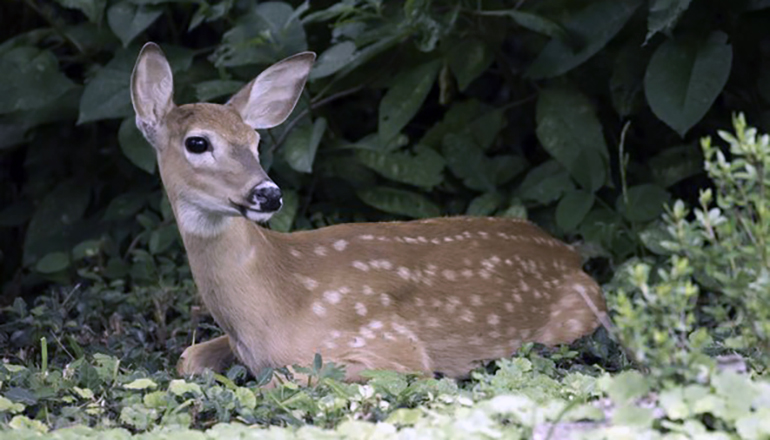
269 99
152 90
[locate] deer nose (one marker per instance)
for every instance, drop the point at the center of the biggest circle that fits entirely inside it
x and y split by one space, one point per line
267 195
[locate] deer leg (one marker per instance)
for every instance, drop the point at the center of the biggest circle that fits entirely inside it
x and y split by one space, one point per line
212 355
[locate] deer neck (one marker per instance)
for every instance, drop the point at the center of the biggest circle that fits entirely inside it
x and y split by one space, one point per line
236 267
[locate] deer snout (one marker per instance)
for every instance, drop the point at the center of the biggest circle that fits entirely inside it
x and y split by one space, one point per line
267 196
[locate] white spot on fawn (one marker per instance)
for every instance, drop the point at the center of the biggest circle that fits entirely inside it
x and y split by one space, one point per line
467 316
319 309
385 299
309 283
367 333
449 274
340 245
476 300
509 307
320 251
432 322
403 272
367 237
295 253
360 309
332 296
375 325
357 342
467 273
335 334
367 291
360 265
493 319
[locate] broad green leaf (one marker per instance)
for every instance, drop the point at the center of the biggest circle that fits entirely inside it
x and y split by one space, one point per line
135 147
424 168
30 79
675 164
592 27
663 16
333 59
246 398
684 78
626 386
570 131
210 13
268 32
7 405
302 143
128 20
486 127
397 201
468 162
107 94
545 183
533 22
93 9
125 206
207 90
162 239
53 262
645 202
283 220
404 99
55 220
14 126
469 59
179 387
485 204
141 384
573 208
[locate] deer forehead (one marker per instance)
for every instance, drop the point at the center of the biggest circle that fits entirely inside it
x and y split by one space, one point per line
221 120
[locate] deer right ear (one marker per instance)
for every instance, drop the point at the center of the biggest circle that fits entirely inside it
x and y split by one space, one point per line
152 90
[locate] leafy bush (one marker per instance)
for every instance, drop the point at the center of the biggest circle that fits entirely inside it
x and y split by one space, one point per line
715 283
579 114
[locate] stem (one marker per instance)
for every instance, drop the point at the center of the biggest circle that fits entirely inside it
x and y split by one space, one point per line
44 354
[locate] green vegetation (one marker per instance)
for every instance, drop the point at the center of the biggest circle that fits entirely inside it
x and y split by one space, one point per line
591 117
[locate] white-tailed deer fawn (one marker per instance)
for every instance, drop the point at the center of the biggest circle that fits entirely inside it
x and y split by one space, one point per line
431 295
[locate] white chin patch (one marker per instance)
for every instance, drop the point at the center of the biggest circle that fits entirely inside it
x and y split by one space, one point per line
260 217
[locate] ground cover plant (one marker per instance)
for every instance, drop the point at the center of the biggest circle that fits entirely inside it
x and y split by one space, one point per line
590 117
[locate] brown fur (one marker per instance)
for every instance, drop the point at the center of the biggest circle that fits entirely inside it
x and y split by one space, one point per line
429 295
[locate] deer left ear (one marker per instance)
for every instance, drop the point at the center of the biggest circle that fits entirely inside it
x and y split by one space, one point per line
269 99
152 90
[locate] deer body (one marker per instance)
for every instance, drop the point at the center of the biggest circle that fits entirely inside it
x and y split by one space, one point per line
431 295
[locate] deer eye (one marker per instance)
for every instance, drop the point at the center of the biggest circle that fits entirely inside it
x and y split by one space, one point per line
196 144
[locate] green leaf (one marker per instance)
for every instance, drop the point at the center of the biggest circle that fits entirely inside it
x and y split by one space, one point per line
53 262
179 387
545 183
469 59
207 90
675 164
645 202
533 22
128 20
141 384
627 80
485 204
125 206
424 168
333 59
664 14
56 219
246 398
6 405
268 32
93 9
626 386
573 208
301 145
467 162
162 239
684 78
135 147
283 220
404 99
396 201
107 94
570 131
593 26
30 79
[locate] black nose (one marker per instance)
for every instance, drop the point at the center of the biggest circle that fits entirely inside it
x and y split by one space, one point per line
268 196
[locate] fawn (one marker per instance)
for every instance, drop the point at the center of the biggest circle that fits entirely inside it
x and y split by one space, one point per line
428 296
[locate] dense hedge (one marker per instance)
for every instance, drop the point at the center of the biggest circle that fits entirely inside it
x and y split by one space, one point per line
581 114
